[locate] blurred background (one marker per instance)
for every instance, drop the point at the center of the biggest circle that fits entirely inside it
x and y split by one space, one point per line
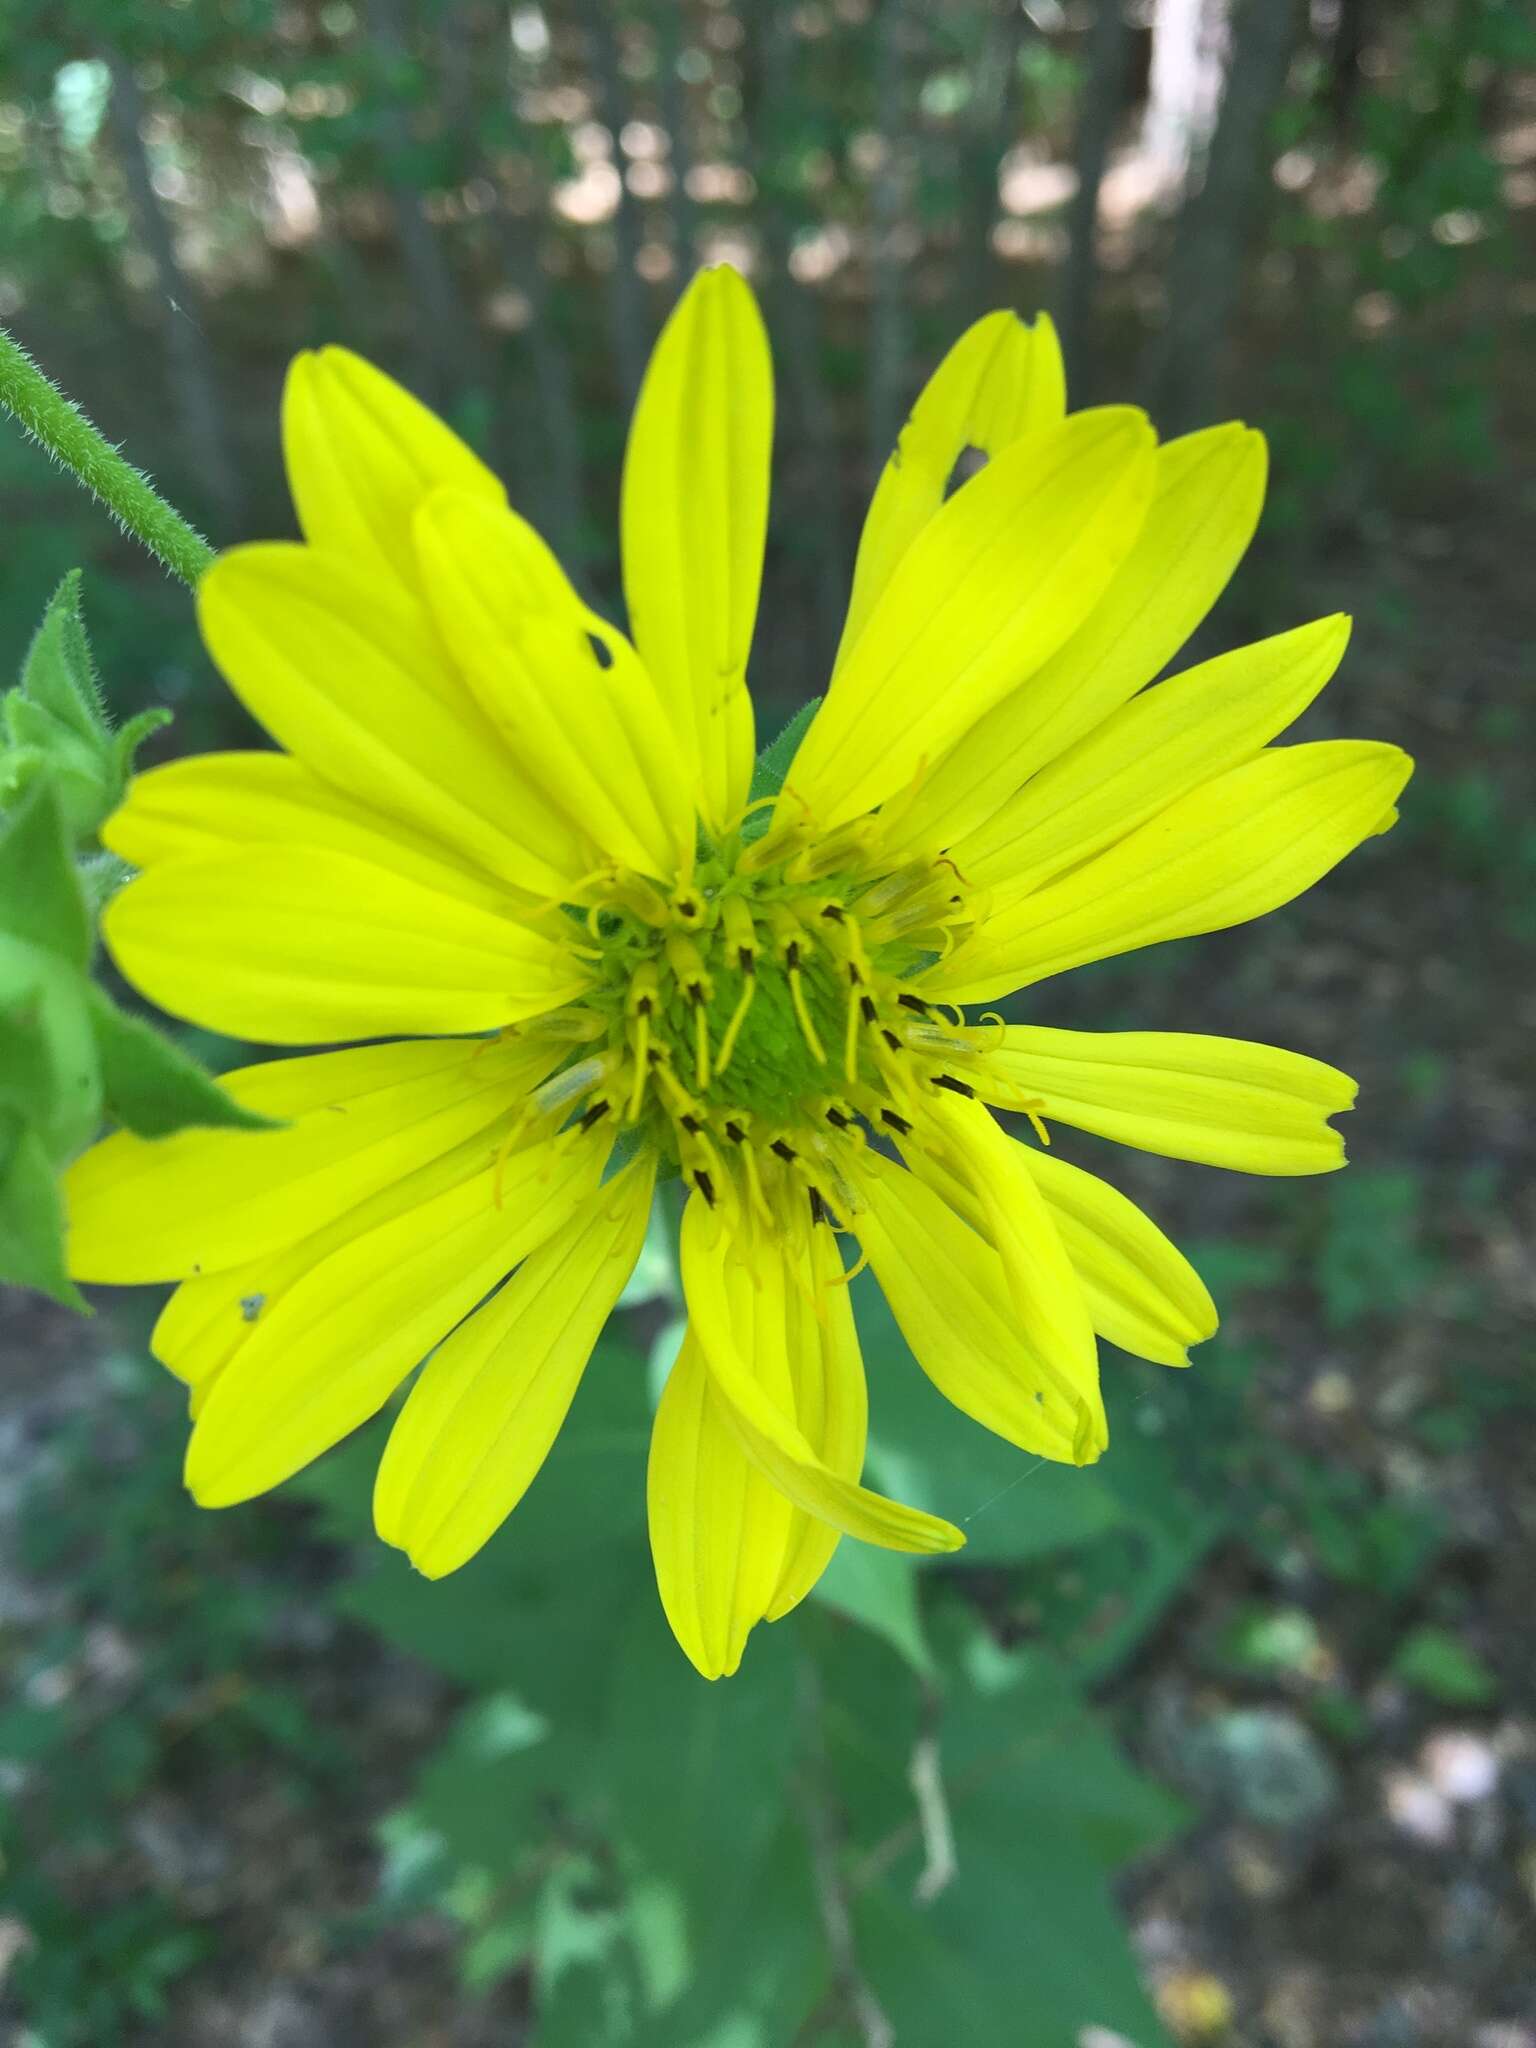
1230 1740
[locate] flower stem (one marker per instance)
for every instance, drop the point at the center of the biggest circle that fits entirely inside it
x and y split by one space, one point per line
63 429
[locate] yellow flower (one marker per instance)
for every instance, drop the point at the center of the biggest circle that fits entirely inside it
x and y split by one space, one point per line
526 847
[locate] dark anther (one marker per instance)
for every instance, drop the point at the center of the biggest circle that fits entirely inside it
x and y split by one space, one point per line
691 1125
643 1007
897 1123
748 960
891 1040
594 1115
687 908
909 1002
837 1119
818 1207
696 992
705 1186
955 1087
792 954
734 1132
602 652
784 1151
867 1009
832 911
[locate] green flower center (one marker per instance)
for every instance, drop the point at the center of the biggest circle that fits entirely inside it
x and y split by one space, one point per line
764 1007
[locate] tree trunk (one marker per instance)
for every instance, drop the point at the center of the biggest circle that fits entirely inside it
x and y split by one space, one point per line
1216 229
794 316
189 355
888 339
989 132
445 335
627 310
1099 109
674 112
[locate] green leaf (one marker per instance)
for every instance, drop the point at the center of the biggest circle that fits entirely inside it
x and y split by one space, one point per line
151 1086
40 895
57 726
32 1217
1010 1505
58 673
49 1073
879 1590
1043 1808
1434 1662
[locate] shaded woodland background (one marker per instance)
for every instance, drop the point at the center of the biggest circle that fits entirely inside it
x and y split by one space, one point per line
1236 1733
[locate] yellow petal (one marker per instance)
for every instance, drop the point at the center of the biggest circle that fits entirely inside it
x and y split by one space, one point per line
166 1208
695 519
1209 488
353 680
737 1295
719 1526
989 589
1052 1315
587 726
1143 1294
208 1320
1236 847
730 1550
1221 1101
831 1411
211 804
333 1349
1000 381
362 454
1161 744
294 947
489 1404
949 1292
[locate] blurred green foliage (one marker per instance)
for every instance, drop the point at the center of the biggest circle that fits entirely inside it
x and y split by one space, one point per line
498 204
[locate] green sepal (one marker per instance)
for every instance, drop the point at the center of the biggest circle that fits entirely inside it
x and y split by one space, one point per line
32 1217
773 765
40 896
153 1088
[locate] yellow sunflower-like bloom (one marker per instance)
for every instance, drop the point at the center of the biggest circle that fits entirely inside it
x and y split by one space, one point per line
520 853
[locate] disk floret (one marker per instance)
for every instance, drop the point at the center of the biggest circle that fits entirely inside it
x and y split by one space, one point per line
756 1021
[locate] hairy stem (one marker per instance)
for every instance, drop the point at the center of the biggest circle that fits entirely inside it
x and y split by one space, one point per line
63 429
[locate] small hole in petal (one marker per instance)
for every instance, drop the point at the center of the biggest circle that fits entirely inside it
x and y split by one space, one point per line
968 463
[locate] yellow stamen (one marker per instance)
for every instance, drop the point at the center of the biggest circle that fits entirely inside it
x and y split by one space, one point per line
842 1278
814 1046
700 1046
640 1041
738 1018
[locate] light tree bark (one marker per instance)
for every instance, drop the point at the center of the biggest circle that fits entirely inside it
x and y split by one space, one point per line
1216 230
